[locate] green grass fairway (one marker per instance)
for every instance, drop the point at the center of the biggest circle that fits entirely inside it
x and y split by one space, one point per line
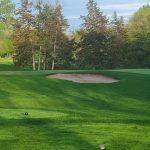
140 71
69 116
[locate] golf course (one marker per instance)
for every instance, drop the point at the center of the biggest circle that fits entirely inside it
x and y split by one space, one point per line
40 113
74 75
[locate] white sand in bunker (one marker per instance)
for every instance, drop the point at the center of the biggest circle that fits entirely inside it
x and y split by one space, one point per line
84 78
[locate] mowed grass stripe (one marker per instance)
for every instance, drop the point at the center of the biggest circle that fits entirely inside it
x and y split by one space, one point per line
72 116
139 71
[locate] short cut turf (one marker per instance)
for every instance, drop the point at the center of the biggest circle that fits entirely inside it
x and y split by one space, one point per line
71 116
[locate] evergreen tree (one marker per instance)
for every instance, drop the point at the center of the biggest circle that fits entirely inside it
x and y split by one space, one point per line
39 30
47 33
95 21
117 37
24 35
59 27
51 27
93 42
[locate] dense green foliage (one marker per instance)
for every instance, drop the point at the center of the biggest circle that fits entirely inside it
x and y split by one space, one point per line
92 45
41 40
66 115
6 15
114 44
139 39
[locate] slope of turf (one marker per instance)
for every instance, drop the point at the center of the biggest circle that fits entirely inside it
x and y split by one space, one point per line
71 116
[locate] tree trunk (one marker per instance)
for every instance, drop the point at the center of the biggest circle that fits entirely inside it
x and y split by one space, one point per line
39 60
94 68
53 61
44 66
33 60
53 64
44 60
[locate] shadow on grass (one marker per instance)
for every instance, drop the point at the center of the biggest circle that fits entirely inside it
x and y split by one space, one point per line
50 134
120 101
46 132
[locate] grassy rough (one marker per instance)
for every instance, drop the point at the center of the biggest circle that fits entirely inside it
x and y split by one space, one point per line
72 116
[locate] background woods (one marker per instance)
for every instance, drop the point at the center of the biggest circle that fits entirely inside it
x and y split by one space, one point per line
36 35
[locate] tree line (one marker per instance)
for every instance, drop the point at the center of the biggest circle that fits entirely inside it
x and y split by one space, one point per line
36 35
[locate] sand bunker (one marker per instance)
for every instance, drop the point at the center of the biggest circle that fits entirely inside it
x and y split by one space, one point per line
84 78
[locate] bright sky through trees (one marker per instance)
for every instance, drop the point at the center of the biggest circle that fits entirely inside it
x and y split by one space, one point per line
74 8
